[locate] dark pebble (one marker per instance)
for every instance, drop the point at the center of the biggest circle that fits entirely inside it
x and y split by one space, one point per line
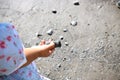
59 66
61 38
66 43
118 4
57 44
64 59
88 24
50 32
76 3
73 23
38 35
65 30
54 11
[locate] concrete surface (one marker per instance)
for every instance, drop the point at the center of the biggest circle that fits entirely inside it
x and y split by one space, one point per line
93 52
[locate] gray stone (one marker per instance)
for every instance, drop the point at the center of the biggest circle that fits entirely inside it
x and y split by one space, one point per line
76 3
50 32
61 37
118 4
57 44
88 24
113 34
64 59
73 23
38 35
66 43
99 7
65 30
54 11
58 66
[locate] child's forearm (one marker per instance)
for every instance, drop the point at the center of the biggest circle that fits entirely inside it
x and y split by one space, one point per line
38 51
31 54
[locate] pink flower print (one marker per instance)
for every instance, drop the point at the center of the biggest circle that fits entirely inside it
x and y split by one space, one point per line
9 38
20 51
2 56
8 58
3 70
2 44
30 73
13 26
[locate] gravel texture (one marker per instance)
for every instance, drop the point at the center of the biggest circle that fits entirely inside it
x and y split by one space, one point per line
93 52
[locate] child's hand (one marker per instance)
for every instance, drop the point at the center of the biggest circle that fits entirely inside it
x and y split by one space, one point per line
46 50
42 50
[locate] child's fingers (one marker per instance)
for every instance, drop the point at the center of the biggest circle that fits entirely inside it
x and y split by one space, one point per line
51 46
42 42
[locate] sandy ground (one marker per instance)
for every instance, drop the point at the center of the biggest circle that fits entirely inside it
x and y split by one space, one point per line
93 50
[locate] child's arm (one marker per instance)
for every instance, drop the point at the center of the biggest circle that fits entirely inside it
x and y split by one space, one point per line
38 51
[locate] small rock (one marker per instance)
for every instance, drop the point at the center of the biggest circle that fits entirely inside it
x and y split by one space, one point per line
118 4
99 7
50 32
38 35
88 24
61 37
113 2
107 34
66 43
59 66
65 30
57 44
113 34
76 3
70 16
64 59
54 11
73 23
72 50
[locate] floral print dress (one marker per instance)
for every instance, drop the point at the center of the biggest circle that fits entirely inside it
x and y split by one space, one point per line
12 57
